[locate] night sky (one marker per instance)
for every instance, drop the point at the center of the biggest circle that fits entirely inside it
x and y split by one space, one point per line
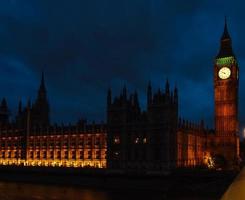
84 47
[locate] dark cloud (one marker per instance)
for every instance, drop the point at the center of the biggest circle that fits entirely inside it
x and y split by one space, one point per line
86 46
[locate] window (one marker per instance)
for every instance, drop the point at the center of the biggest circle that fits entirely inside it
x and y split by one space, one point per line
116 139
144 140
81 155
73 155
89 141
51 155
97 141
97 154
31 154
73 142
38 154
66 154
44 155
81 142
136 141
116 154
65 143
15 154
58 155
89 154
51 144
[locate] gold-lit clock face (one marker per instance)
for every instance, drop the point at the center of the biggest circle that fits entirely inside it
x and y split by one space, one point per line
224 73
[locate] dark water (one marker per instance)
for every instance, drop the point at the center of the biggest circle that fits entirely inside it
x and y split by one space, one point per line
24 191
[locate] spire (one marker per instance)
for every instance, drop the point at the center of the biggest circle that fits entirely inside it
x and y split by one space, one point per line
42 88
4 104
136 101
149 94
20 107
167 87
124 93
175 94
28 103
109 97
225 33
225 43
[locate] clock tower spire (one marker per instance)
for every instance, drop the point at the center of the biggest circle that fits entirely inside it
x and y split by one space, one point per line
225 44
226 100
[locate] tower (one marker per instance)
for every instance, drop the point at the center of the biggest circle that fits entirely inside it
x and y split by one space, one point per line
40 109
226 82
4 112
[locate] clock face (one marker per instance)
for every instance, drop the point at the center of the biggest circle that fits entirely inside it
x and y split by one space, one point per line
224 73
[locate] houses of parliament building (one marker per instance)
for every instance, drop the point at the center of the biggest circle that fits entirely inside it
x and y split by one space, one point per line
154 139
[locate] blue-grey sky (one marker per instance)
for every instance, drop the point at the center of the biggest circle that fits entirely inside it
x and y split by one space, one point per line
86 46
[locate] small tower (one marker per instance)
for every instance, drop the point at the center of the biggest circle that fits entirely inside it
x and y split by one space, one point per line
20 108
4 112
175 95
40 108
109 97
167 88
124 93
149 94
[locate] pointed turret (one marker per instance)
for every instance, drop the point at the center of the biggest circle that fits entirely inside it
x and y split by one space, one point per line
42 88
225 43
226 34
175 95
149 94
4 103
40 108
4 112
124 93
109 97
136 101
28 103
20 108
202 124
167 87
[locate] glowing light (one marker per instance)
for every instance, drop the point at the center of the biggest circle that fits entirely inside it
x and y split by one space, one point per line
116 140
226 60
54 163
208 161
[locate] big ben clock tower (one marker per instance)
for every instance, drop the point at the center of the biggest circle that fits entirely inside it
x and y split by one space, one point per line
226 82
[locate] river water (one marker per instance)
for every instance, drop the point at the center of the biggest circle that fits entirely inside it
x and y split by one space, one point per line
25 191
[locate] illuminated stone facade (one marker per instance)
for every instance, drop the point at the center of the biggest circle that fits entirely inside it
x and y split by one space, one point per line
154 139
73 146
226 83
193 144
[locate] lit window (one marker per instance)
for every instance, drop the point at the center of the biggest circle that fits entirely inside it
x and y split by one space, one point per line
58 155
116 140
81 155
89 154
137 140
98 155
144 140
38 154
116 153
